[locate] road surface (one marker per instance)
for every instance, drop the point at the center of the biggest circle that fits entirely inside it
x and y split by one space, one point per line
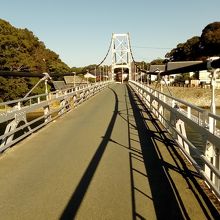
101 161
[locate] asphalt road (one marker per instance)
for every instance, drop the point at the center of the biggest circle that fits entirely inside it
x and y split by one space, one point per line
100 161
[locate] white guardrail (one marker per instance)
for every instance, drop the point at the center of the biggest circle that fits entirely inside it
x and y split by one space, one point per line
20 118
176 116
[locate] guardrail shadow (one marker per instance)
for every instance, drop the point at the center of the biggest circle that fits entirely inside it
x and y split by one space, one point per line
77 197
164 192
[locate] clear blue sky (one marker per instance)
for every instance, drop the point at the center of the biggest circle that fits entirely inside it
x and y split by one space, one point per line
80 30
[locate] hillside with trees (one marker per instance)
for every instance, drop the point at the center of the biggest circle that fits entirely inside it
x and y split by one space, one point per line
198 47
21 50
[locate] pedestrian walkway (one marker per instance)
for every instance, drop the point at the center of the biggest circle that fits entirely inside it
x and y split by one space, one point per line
106 159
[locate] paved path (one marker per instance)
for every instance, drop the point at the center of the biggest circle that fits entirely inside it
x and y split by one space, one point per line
100 161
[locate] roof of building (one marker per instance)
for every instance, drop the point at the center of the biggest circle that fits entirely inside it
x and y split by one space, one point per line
70 79
154 68
179 64
58 85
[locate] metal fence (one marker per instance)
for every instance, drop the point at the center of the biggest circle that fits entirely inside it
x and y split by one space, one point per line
178 116
20 118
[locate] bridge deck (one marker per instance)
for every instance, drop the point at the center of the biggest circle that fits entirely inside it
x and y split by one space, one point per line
101 161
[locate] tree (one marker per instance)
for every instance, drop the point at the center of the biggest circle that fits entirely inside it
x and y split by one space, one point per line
186 51
21 50
195 75
210 39
12 88
198 48
157 61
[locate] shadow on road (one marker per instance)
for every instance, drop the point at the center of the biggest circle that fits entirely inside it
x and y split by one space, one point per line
165 196
78 195
145 130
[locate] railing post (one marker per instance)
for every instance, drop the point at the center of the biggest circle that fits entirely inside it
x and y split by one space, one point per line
204 119
47 117
209 154
180 126
188 111
18 106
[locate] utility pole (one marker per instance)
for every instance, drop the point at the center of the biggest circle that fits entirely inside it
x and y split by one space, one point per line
104 73
100 79
141 77
95 74
213 84
74 79
135 73
122 70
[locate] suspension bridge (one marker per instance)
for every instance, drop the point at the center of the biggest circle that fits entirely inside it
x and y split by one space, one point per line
110 150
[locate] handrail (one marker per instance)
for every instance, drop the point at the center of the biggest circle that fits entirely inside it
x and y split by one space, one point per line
170 116
51 105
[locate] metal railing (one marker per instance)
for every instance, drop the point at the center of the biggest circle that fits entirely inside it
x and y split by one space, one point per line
178 116
20 118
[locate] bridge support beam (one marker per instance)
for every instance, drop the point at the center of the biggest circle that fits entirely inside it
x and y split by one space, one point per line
121 55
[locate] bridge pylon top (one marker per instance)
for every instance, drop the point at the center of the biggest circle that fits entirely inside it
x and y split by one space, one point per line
121 52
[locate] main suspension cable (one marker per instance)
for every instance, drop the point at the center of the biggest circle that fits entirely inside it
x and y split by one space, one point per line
85 69
106 54
131 50
135 63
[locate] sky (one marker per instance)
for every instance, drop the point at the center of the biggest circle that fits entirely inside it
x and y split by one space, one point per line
80 31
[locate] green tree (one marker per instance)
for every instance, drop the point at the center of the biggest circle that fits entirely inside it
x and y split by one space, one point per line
186 51
157 61
182 78
21 50
13 88
210 39
198 48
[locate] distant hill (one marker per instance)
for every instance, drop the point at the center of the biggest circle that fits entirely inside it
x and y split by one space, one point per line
21 50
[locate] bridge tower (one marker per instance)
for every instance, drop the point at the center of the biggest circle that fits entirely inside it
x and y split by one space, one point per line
121 57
